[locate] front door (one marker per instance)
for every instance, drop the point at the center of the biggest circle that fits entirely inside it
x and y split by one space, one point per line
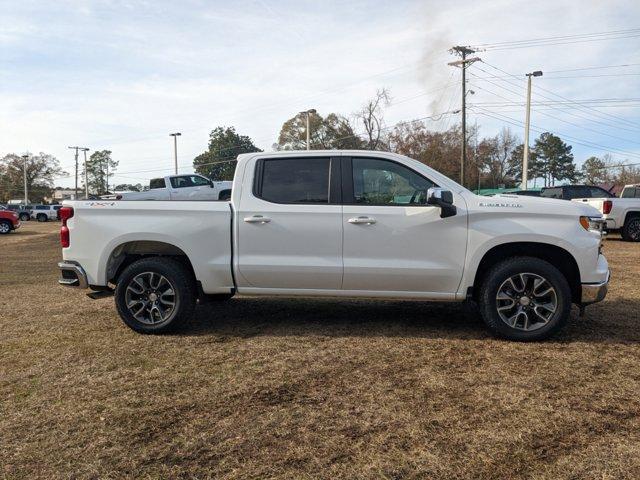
290 224
393 241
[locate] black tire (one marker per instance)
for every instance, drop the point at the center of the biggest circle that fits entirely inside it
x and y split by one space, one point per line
224 195
631 229
5 227
41 217
533 269
24 217
179 278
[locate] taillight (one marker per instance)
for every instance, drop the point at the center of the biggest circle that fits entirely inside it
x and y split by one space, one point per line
65 214
606 206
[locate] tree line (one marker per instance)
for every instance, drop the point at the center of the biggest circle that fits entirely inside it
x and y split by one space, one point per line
492 161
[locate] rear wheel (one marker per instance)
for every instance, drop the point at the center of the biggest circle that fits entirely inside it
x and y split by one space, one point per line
41 217
24 217
155 295
525 299
5 227
631 229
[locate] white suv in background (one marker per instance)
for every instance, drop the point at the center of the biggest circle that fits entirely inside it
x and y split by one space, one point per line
44 213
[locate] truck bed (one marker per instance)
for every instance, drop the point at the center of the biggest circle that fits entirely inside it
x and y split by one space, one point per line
102 230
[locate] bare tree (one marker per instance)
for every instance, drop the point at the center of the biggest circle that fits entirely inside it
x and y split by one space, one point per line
372 117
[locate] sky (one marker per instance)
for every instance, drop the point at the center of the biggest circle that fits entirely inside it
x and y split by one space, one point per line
122 75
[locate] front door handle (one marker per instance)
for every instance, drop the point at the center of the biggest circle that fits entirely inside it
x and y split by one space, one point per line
257 219
362 220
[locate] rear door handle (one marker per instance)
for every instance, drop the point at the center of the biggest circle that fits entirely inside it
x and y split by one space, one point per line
362 220
257 219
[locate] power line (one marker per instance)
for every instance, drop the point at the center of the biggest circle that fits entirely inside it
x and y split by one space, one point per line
579 141
561 40
591 109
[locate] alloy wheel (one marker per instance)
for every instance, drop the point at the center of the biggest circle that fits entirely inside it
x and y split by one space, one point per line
526 301
151 298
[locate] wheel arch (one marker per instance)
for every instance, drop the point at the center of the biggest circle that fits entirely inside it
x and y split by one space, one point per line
557 256
128 252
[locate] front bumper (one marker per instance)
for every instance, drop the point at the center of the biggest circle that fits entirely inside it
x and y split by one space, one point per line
72 275
595 292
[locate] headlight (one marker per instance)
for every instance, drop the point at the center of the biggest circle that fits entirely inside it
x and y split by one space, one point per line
593 224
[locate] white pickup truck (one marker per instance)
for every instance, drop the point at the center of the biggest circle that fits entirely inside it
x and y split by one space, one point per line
346 224
620 214
191 187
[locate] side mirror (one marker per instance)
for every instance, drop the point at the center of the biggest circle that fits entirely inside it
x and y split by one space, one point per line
442 198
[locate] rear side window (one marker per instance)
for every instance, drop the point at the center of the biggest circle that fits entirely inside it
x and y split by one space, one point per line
156 183
293 180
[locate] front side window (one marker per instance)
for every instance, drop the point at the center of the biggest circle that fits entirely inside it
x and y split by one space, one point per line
294 180
181 182
198 181
382 182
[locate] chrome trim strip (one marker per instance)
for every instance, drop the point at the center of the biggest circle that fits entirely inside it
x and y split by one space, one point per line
595 292
81 277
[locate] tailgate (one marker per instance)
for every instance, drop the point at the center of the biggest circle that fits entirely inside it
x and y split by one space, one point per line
596 203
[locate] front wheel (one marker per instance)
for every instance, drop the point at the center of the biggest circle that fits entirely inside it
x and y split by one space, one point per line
155 295
525 299
24 217
5 227
41 217
631 229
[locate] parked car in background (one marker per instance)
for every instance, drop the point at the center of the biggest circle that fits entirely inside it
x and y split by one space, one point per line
621 214
340 223
182 187
44 213
23 211
9 221
569 192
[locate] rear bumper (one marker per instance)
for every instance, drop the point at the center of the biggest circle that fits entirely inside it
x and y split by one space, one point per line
595 292
72 275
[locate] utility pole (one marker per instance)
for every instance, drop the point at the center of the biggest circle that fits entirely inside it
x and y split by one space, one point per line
75 191
86 173
464 63
24 171
525 157
175 148
306 113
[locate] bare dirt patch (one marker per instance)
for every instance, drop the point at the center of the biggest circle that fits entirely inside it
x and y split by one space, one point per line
309 388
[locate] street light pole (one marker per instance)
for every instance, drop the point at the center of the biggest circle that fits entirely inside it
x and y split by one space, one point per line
525 158
24 171
175 148
86 174
75 191
306 114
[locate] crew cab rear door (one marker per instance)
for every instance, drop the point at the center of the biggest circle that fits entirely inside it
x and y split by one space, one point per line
393 241
289 224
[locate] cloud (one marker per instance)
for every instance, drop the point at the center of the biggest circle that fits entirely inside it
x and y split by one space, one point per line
122 75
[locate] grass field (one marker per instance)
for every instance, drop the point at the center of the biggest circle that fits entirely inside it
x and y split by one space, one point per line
309 388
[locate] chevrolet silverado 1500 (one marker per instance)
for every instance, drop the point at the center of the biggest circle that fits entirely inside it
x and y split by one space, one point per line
340 223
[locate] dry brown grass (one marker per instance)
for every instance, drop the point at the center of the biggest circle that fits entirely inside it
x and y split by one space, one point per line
309 388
